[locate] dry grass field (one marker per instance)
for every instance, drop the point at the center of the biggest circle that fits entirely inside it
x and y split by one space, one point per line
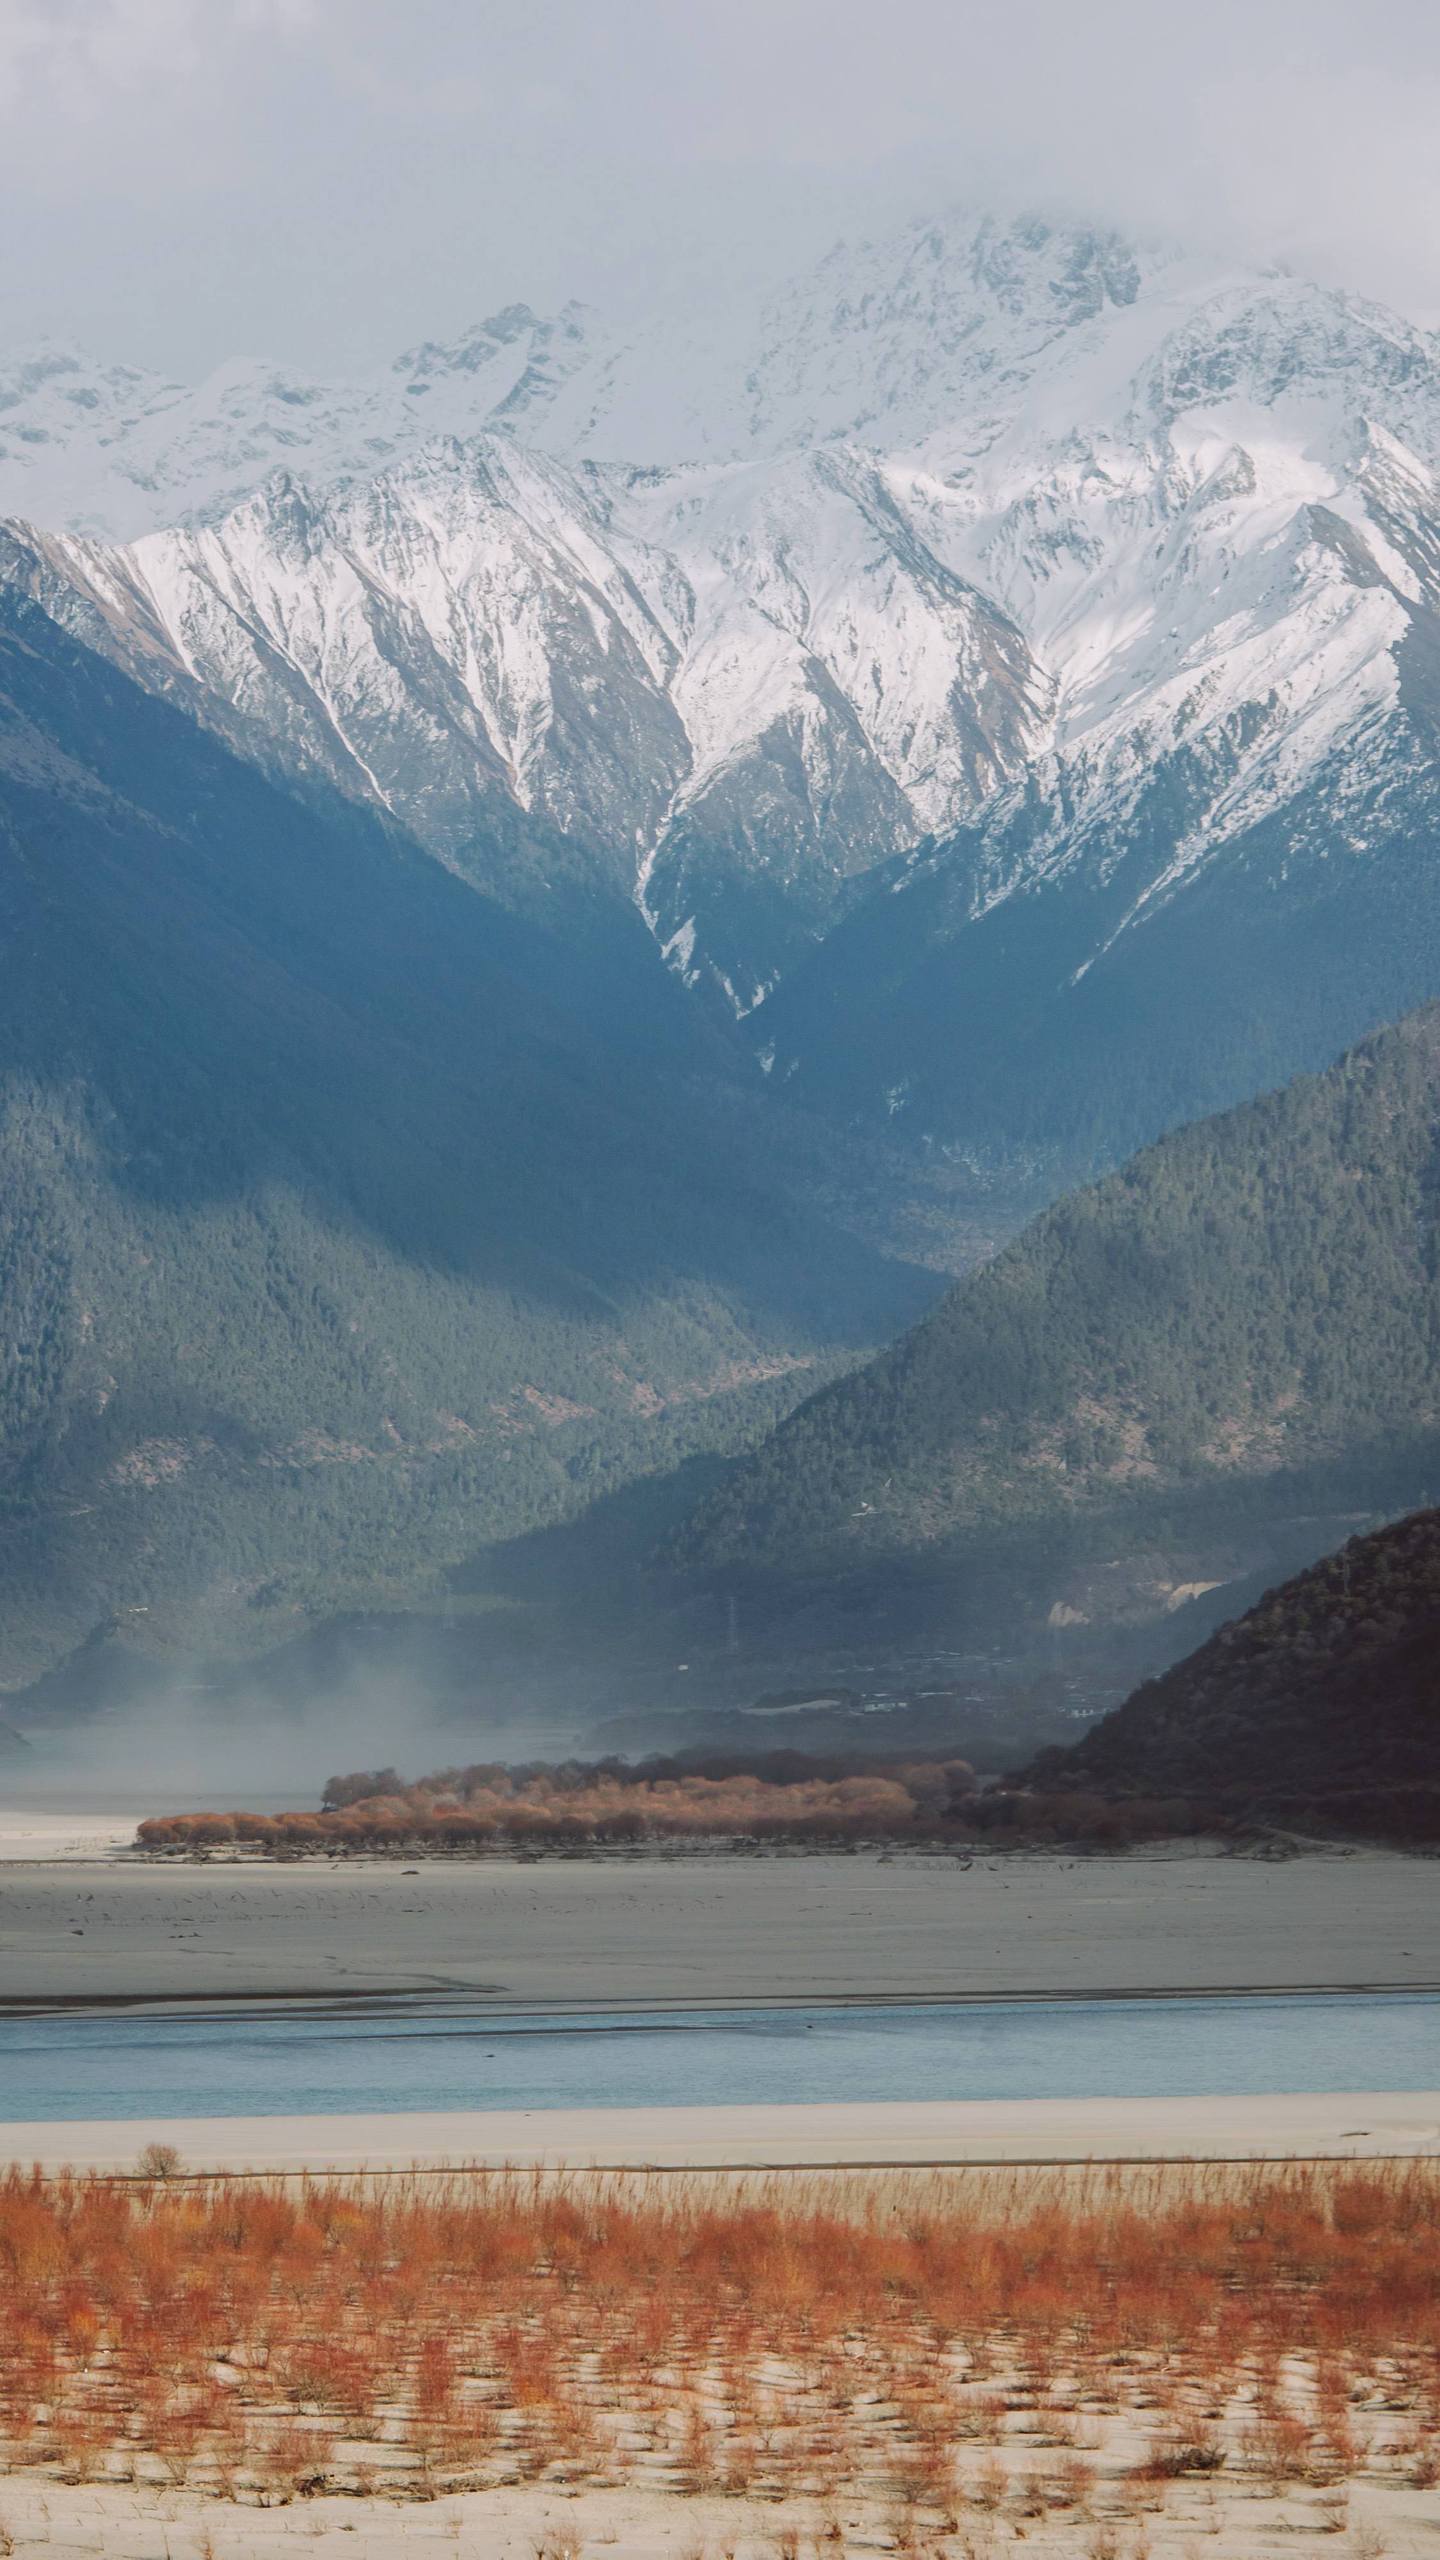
1100 2362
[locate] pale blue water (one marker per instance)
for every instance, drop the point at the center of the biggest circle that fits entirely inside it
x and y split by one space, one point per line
410 2053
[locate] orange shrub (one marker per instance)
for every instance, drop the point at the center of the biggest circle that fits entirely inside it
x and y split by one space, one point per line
490 2326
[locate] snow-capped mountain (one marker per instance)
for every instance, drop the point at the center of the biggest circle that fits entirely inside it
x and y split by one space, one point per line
723 691
1215 515
117 452
877 345
988 560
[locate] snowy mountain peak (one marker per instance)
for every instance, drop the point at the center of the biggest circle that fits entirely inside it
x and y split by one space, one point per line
968 533
506 370
516 326
112 451
1075 272
940 337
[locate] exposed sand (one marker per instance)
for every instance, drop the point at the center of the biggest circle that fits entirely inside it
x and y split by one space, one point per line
1376 2124
34 1831
1227 2518
722 1928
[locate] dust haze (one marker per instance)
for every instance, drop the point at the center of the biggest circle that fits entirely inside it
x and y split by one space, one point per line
168 1751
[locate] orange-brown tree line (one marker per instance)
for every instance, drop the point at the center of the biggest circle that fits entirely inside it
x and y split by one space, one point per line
607 1803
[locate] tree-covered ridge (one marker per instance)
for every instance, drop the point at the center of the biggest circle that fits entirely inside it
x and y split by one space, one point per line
1324 1699
347 1222
1251 1303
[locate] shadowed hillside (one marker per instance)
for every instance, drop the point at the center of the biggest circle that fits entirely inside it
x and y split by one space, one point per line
1321 1704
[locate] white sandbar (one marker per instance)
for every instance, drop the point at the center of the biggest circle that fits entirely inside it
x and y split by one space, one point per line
1378 2124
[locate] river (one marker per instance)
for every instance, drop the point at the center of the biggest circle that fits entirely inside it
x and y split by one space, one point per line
378 2055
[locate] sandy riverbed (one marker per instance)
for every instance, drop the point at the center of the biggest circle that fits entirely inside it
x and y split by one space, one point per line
721 1928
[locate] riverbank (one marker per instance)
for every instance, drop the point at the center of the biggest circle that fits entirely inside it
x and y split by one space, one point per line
587 1932
896 2134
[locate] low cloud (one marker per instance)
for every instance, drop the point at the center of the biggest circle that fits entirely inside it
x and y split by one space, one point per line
63 58
328 178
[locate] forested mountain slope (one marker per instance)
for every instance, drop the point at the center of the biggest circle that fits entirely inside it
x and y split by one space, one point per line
347 1221
1242 1326
1321 1703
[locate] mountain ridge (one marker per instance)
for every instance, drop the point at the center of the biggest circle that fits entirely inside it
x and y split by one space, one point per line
765 372
1237 1331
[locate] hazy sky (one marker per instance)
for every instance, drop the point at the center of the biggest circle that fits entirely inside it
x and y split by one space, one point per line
329 180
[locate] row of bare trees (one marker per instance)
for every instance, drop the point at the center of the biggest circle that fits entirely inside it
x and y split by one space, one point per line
608 1804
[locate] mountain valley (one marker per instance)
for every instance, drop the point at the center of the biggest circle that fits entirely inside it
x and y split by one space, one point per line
718 822
350 1220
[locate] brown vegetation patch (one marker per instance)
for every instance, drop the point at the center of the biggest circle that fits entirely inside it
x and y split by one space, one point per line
938 2346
